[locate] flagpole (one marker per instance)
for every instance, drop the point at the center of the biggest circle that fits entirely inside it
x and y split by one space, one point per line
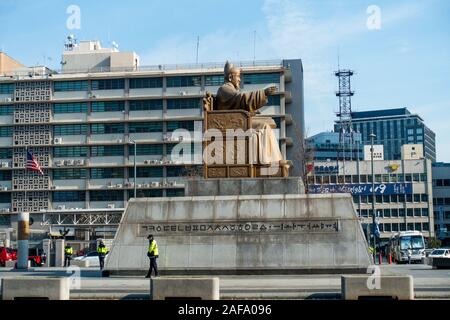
26 159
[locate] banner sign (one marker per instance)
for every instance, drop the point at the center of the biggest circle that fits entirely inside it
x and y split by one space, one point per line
363 189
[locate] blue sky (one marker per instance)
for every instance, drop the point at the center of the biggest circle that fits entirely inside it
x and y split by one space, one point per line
405 63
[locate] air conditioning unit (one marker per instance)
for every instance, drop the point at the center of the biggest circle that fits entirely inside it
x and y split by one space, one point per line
173 183
8 99
57 140
160 162
180 138
111 205
79 162
139 186
53 187
69 162
155 184
5 164
183 93
5 188
119 140
119 185
153 161
61 207
146 161
59 163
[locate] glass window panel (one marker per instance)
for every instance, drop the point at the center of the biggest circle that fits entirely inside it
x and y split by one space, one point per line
142 105
81 85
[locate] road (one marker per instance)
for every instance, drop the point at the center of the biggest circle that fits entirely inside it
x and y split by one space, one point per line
428 284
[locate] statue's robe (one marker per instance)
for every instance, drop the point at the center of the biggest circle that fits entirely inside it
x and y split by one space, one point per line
229 98
263 143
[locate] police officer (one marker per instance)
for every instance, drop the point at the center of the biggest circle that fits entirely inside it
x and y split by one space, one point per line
152 254
102 251
68 251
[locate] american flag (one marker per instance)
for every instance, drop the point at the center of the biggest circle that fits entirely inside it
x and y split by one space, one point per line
32 163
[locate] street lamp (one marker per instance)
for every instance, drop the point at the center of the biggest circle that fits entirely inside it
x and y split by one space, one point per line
134 162
372 137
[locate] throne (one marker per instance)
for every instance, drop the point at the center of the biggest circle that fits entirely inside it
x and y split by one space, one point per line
244 148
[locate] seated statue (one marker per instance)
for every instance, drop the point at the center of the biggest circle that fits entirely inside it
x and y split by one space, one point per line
263 142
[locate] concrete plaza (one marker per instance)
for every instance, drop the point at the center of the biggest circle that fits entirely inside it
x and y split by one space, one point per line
428 284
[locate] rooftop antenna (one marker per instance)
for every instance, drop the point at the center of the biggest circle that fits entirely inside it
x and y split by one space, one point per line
254 46
115 45
198 45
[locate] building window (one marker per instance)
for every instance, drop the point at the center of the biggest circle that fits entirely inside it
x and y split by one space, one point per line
139 127
184 81
62 152
425 227
69 129
387 213
184 103
6 132
5 175
149 149
5 198
416 177
273 100
69 174
410 212
139 83
146 172
260 78
69 196
417 212
141 193
6 110
106 173
109 195
143 105
70 86
108 84
175 192
7 88
107 106
402 226
107 151
75 107
214 80
416 197
5 153
182 151
107 128
424 212
401 212
174 125
394 227
394 213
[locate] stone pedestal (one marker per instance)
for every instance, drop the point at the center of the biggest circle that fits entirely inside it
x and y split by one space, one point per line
227 232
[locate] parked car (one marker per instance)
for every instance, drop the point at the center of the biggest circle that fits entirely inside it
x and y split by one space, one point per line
440 253
6 254
92 257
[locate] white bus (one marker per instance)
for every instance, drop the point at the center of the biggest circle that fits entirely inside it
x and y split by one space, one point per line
407 246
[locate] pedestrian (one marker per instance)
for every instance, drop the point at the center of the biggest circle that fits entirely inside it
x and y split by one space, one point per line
152 254
68 251
102 251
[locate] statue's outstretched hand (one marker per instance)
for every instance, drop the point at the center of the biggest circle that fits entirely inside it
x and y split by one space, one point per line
270 91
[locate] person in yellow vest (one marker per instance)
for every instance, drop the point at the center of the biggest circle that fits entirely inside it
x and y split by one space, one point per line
68 252
152 254
102 251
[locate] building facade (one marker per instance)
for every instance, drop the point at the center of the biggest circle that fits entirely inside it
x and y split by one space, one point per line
326 146
403 192
85 124
394 128
441 200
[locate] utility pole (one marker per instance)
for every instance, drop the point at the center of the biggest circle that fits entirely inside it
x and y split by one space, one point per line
372 137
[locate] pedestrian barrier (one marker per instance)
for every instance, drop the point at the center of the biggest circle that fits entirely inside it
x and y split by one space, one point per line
80 263
361 287
184 288
440 263
48 288
10 264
